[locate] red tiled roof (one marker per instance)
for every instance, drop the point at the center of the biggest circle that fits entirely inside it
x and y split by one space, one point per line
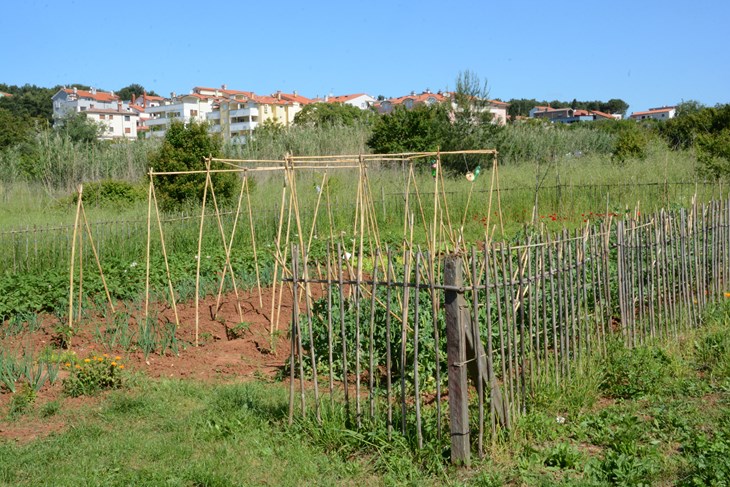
2 93
293 98
137 108
653 110
102 96
498 103
271 100
419 98
602 114
344 98
109 110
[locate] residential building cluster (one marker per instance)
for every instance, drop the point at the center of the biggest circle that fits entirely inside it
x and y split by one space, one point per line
235 114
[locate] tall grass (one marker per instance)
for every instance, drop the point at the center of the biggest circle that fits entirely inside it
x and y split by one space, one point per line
57 163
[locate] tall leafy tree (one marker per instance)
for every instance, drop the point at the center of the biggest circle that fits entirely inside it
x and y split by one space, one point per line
134 89
185 148
78 128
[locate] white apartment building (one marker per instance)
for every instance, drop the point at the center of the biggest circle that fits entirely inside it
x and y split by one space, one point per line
73 100
117 123
185 108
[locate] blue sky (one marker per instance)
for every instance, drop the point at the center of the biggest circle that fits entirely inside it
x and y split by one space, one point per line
647 52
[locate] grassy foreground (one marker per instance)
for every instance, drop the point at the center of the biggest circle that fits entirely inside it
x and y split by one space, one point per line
653 415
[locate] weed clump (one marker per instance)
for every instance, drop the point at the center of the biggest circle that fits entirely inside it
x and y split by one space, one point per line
634 372
92 375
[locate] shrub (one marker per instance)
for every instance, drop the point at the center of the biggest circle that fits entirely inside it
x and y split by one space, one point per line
631 144
113 193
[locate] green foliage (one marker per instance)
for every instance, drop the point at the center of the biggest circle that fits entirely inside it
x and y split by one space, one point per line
184 149
522 106
133 89
634 372
92 375
14 129
29 102
705 129
631 144
327 114
112 193
416 130
78 128
562 456
708 456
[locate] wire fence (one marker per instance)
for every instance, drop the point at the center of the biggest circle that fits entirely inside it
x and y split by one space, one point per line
37 247
393 331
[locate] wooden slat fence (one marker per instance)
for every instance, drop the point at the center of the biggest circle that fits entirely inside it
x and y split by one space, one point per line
374 340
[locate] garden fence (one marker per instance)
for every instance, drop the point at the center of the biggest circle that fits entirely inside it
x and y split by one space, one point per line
37 247
370 329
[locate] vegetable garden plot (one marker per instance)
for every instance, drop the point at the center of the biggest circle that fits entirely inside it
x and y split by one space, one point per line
525 315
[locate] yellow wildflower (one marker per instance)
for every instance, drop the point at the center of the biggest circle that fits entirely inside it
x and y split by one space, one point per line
727 295
78 366
106 355
87 360
117 358
68 364
114 364
121 366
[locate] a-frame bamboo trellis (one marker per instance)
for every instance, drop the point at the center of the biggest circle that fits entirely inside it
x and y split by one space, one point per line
442 234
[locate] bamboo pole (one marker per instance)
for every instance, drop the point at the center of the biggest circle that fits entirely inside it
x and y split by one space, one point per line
199 257
96 258
164 254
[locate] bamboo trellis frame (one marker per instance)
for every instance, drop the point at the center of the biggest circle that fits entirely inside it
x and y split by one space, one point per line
364 228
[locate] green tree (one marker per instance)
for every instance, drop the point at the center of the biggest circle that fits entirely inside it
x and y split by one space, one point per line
417 130
78 128
133 89
30 101
615 105
13 129
328 114
185 148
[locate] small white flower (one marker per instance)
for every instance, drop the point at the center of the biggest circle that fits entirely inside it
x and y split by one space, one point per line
133 264
207 256
560 420
196 257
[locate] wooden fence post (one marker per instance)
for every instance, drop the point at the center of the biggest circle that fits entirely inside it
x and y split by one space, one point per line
456 356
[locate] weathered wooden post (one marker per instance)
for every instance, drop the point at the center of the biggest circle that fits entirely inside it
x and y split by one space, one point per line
456 357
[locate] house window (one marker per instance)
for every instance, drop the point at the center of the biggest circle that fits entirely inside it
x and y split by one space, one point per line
193 113
126 118
127 130
111 129
102 117
111 117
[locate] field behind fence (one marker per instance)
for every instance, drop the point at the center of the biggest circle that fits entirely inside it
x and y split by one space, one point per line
34 248
520 316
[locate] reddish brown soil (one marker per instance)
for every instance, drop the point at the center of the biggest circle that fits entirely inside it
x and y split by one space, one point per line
221 354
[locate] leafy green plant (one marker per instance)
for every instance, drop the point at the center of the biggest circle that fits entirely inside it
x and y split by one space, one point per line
634 372
22 400
92 375
562 456
238 330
